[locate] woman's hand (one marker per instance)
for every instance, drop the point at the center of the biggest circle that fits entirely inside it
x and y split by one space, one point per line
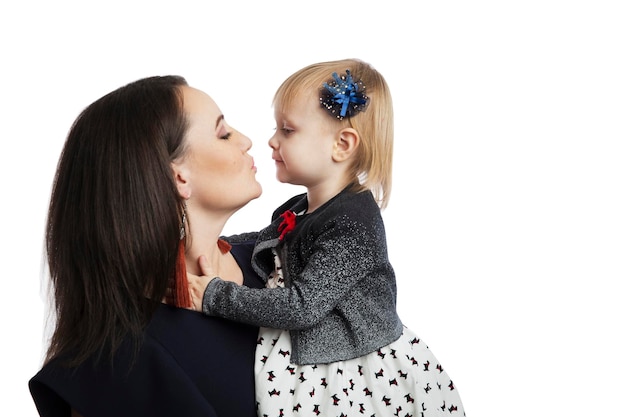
198 284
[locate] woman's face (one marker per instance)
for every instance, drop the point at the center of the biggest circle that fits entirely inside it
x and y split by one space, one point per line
219 172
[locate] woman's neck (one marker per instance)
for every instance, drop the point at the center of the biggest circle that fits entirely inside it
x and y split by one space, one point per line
205 231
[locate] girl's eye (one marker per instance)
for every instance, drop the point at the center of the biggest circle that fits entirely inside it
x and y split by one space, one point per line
286 131
226 136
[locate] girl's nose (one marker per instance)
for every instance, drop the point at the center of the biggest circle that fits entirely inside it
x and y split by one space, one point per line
273 142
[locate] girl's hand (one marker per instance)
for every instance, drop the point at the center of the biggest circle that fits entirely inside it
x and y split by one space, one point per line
198 284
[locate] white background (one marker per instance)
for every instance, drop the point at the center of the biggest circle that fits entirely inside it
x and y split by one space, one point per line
506 225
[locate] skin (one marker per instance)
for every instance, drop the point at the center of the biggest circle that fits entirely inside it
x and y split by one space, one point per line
310 149
216 177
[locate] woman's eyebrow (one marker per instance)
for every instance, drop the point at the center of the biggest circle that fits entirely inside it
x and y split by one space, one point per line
219 119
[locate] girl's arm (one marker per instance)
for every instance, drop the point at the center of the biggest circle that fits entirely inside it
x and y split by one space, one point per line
338 262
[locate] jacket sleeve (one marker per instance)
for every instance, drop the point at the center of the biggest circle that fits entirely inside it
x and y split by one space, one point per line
344 252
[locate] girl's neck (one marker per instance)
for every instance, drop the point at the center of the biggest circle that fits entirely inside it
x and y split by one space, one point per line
319 194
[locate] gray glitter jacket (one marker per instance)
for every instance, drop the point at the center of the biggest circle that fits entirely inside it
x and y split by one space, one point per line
339 299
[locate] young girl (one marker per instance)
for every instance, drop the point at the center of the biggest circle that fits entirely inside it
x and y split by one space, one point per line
332 343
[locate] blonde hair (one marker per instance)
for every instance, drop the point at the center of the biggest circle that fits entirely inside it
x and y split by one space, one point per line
373 163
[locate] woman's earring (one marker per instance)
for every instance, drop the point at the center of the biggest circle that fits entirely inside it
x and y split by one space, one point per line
184 220
182 298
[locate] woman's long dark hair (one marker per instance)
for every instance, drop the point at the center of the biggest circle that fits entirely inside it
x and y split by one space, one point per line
114 219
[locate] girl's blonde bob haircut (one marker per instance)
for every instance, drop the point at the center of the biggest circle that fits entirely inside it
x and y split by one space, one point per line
373 163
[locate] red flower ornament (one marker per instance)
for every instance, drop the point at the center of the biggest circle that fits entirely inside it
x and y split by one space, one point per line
288 223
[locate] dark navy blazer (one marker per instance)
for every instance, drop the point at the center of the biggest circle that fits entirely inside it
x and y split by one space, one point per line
189 365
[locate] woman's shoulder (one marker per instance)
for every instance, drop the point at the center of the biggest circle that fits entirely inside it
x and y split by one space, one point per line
171 325
242 252
177 371
117 386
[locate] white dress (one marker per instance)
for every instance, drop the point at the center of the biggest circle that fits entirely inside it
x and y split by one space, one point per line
401 379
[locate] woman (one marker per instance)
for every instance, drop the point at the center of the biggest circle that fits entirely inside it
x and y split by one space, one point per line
148 176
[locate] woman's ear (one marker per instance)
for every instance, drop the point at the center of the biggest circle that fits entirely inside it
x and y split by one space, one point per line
346 144
181 176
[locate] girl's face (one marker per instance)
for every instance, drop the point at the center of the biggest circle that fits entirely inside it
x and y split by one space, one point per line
302 146
219 172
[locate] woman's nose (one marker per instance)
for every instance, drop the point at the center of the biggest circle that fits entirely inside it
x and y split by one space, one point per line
244 141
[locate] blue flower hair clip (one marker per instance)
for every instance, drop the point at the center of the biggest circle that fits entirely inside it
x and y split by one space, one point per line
342 96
